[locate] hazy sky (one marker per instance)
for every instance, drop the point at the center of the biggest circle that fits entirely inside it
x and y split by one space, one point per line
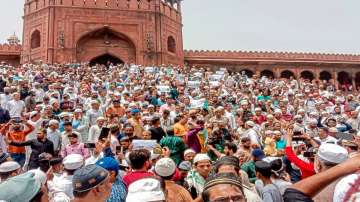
278 25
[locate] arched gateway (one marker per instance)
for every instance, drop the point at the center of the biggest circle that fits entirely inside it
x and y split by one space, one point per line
105 45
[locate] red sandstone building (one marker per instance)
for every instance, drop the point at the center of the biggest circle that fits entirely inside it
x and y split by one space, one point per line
149 32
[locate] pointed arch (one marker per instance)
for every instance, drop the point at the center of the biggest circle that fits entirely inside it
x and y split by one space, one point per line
35 40
287 74
171 44
307 75
267 73
104 41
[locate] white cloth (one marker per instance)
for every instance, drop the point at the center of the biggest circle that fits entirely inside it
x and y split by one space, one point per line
55 138
92 115
3 145
15 108
343 186
4 99
231 119
65 140
61 184
93 159
114 142
39 95
328 139
252 134
94 133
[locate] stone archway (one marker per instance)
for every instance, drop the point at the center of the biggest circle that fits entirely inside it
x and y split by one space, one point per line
267 73
344 78
247 72
105 42
287 74
105 59
325 75
307 75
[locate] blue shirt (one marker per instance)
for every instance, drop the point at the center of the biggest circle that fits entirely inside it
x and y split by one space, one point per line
281 144
118 191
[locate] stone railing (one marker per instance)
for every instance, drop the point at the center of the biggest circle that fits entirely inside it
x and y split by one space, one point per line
173 12
6 49
275 56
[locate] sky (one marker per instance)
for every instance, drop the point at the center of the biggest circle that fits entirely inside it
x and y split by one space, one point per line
327 26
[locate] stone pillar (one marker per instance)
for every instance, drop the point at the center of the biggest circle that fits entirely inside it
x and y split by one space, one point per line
335 77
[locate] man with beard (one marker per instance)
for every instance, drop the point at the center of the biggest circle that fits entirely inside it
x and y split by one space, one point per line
42 150
116 110
328 156
128 131
157 133
245 146
229 150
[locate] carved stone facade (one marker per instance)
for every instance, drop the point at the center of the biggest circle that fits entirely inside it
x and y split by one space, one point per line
133 31
10 54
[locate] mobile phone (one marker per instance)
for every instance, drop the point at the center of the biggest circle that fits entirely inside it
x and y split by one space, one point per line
309 154
104 133
119 149
122 167
17 120
89 145
344 136
297 133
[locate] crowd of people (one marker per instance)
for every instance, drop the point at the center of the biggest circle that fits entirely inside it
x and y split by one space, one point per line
127 133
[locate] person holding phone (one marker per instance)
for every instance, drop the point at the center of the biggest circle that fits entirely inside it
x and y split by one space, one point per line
15 131
42 150
114 142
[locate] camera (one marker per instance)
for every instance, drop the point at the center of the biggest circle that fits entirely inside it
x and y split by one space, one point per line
89 145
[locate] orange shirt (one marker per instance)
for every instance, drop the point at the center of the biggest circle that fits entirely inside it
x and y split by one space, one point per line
17 137
180 130
115 111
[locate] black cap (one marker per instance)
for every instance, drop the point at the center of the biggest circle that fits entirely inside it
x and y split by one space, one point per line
88 177
73 135
55 161
227 160
67 123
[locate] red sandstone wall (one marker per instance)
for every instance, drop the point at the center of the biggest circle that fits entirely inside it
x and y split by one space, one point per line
10 54
141 22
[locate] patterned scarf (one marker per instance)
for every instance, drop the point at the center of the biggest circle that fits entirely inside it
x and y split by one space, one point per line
194 179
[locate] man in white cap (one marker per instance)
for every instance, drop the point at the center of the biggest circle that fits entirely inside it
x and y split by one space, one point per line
63 183
16 106
312 128
81 123
324 136
94 113
146 190
189 155
328 156
54 135
197 176
165 168
36 121
9 169
219 118
95 130
252 133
